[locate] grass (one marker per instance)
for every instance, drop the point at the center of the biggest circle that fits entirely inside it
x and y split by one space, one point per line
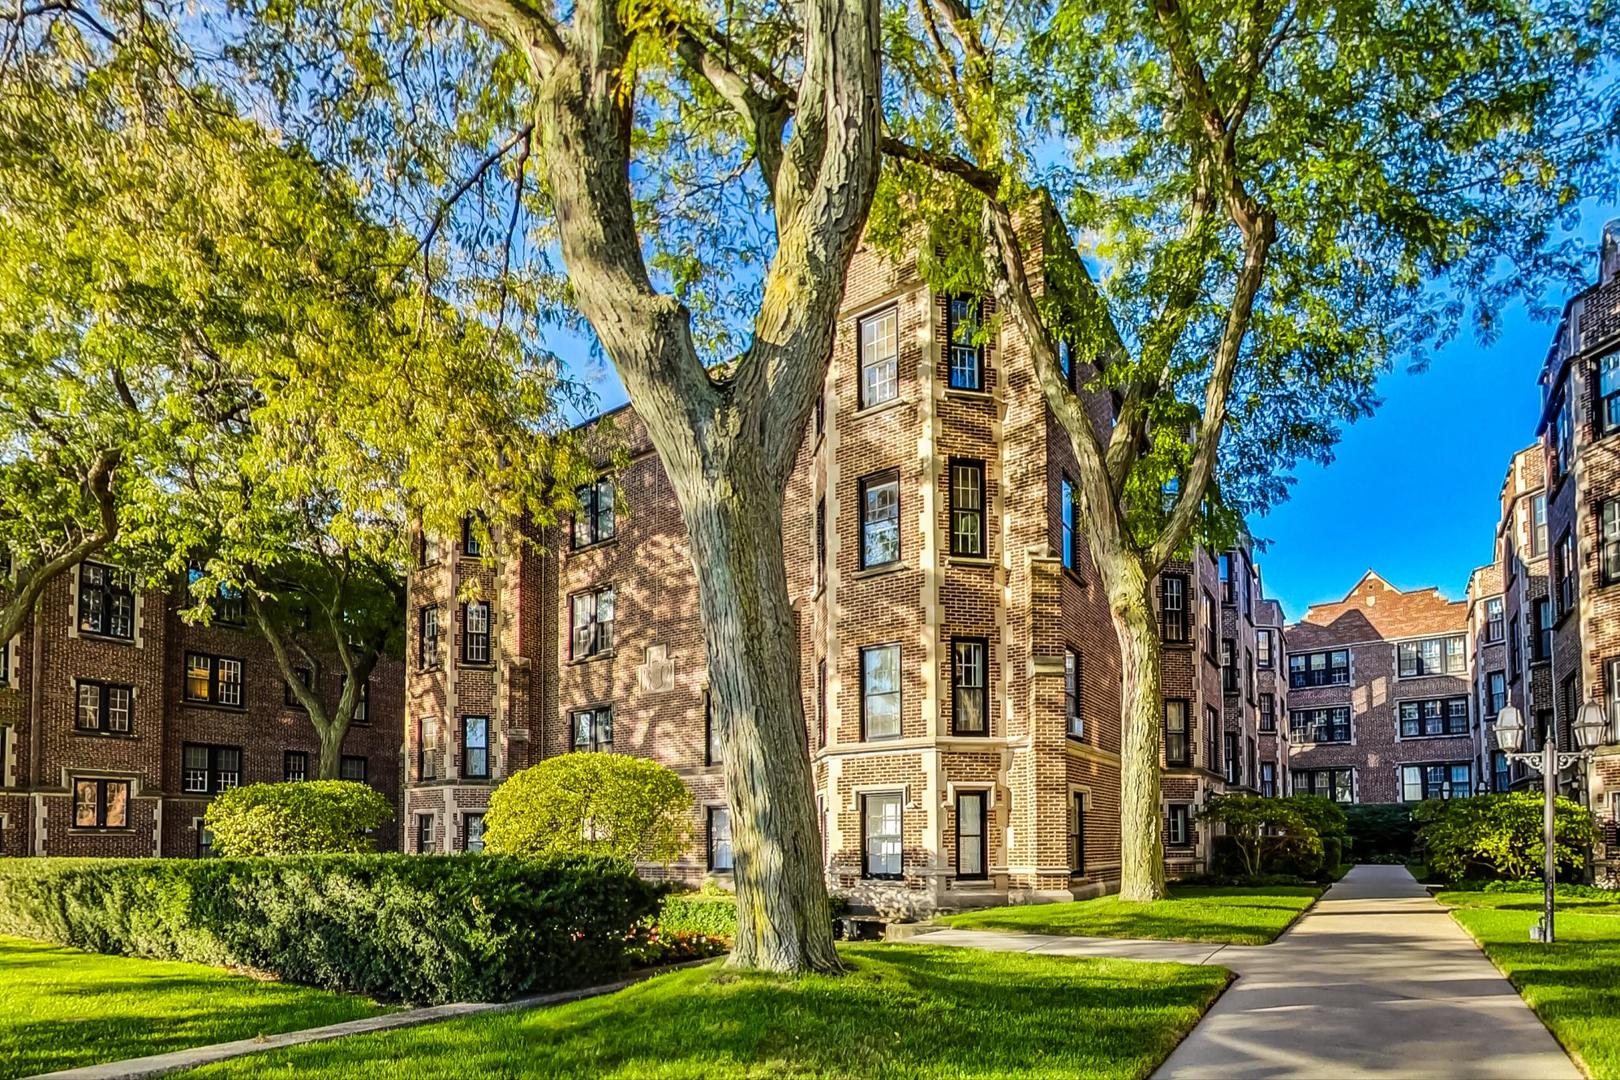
1572 985
64 1008
910 1011
1235 915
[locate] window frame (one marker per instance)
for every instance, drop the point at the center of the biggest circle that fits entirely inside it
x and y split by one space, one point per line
1266 714
1426 784
427 644
468 746
1175 627
1305 677
1184 758
216 681
468 846
954 348
1608 532
1178 830
111 594
864 398
587 528
1265 648
1606 406
979 537
1322 717
867 836
596 744
346 760
1332 772
473 641
1495 611
1068 524
1546 617
104 693
881 478
1444 713
1077 834
711 840
102 786
601 630
471 546
1073 693
291 775
898 692
982 818
959 669
214 774
424 834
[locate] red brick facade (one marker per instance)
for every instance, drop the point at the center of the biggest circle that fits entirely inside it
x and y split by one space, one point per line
128 746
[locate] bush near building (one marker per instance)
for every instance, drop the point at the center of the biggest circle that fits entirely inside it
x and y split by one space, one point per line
1381 832
312 817
1486 836
1301 836
394 927
610 805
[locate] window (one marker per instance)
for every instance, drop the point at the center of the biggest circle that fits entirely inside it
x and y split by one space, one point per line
1493 619
209 769
100 804
594 521
427 623
880 835
1331 668
1608 403
1253 758
1335 784
305 679
967 358
1176 743
880 692
362 708
967 508
1538 525
1609 540
1541 644
205 841
593 728
424 833
1212 629
970 834
1173 608
216 680
880 358
1212 740
106 602
1420 719
352 768
1432 656
471 546
719 839
1071 694
1066 512
970 704
106 708
1495 692
1562 426
5 664
1513 647
821 411
1226 577
1268 712
1451 781
1325 725
475 747
880 518
1268 778
1066 361
821 541
822 712
1265 648
1501 773
1234 759
475 632
472 832
228 608
1179 826
1077 833
1611 670
591 616
1230 676
295 766
1564 573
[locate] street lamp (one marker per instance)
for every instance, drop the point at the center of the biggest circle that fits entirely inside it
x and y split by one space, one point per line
1510 739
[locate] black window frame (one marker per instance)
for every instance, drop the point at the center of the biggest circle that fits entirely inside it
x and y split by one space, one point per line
471 546
216 681
593 499
1178 819
881 478
899 800
1268 779
1320 718
481 641
1606 406
1429 787
1546 618
1495 611
1068 524
1231 674
106 606
345 763
468 747
1183 758
1495 692
601 630
596 744
104 693
103 784
215 772
1444 712
1073 693
1265 655
982 817
1539 533
1608 533
954 323
468 846
1266 721
959 671
427 644
1212 628
294 766
959 514
1175 626
424 833
1329 789
711 840
1077 834
1305 675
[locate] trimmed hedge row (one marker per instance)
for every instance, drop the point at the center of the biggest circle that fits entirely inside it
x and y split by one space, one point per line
411 928
711 915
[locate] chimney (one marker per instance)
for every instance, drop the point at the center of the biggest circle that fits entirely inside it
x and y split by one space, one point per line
1609 253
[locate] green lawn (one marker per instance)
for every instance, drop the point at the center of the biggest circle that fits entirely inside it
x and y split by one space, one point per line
1233 915
1574 986
908 1011
64 1008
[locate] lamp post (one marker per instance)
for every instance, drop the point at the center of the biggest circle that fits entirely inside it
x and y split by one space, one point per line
1510 738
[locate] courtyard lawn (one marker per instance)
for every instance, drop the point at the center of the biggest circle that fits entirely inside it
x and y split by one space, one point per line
1229 914
64 1008
910 1011
1573 986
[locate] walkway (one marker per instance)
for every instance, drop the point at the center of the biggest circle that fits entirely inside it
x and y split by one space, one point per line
1375 980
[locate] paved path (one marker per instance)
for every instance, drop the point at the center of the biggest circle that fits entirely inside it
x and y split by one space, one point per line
1375 980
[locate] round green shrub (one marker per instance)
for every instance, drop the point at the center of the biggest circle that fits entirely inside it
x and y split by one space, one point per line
591 804
306 817
1501 835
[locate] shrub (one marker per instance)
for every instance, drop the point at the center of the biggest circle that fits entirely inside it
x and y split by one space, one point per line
1381 832
312 817
1261 833
611 805
396 927
706 914
1500 835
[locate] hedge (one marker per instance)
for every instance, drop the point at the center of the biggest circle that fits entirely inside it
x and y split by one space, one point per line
710 915
414 928
1379 830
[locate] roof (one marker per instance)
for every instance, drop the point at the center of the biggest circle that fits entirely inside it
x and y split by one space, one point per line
1376 610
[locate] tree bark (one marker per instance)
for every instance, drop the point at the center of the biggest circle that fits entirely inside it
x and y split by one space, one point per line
783 921
1129 590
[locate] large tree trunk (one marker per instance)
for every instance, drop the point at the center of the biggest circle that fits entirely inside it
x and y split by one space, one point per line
783 922
1141 840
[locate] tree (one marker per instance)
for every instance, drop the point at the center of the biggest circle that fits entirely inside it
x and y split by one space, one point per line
592 804
1278 200
696 221
1260 827
312 817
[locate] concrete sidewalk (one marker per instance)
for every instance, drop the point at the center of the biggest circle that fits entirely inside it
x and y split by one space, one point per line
1375 980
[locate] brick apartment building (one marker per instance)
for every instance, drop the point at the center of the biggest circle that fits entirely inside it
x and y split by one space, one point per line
960 674
118 722
1488 650
1380 697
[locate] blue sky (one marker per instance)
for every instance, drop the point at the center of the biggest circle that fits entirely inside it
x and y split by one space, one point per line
1412 492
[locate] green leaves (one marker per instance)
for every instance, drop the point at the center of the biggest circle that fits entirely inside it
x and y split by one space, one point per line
1501 835
592 804
313 817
